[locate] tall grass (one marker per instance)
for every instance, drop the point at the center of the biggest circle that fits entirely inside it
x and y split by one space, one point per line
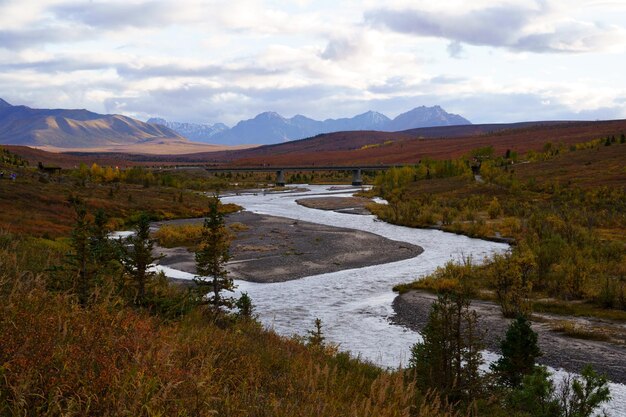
58 358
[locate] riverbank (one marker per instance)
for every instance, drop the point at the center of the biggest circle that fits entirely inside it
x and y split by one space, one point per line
277 249
559 351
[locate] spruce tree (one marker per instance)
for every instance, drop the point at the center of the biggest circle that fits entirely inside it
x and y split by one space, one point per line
211 258
519 353
138 258
245 306
103 249
448 358
80 259
316 337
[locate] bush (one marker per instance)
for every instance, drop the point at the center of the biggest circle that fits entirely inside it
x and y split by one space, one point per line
187 235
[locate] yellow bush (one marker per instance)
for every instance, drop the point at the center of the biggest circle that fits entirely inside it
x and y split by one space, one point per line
170 236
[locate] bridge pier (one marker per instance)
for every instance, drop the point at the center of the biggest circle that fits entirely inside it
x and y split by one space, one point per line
280 178
356 177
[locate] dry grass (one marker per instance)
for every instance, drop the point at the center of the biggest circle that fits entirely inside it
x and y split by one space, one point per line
580 332
238 227
186 235
108 359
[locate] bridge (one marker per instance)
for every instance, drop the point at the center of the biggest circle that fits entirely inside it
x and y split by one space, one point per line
280 171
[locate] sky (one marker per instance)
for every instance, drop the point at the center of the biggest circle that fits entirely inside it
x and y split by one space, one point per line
224 61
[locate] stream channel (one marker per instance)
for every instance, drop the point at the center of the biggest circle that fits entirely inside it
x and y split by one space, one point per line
355 305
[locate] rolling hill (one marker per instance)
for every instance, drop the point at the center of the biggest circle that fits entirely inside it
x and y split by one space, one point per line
410 146
22 125
354 148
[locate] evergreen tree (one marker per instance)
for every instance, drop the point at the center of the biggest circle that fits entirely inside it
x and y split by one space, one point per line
90 256
211 259
448 358
138 257
244 305
316 337
103 248
536 395
80 259
519 353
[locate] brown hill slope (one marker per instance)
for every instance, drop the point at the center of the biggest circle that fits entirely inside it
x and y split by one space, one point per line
21 125
410 146
352 148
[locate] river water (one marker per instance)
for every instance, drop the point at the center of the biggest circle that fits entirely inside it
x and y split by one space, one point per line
355 305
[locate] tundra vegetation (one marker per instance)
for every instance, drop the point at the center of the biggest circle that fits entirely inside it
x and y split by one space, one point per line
88 329
562 208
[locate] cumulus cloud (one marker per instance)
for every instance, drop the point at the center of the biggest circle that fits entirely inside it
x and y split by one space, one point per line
511 26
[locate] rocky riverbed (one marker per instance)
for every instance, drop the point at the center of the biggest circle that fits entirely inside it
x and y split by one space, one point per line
277 249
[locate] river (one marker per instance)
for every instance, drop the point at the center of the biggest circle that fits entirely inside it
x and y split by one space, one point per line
355 305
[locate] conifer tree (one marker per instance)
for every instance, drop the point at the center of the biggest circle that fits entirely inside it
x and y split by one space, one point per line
519 353
316 337
91 252
211 257
245 306
138 257
80 258
448 358
103 248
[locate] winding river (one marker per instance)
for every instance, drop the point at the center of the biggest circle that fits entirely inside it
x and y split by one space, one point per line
355 305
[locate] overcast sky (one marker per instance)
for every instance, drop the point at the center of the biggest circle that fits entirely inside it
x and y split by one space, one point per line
222 61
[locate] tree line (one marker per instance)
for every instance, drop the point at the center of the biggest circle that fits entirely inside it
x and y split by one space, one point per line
125 266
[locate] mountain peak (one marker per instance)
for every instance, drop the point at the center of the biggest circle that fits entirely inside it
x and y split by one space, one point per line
4 104
423 116
269 115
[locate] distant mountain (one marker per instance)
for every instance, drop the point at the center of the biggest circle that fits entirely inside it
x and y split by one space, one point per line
425 117
271 127
192 131
22 125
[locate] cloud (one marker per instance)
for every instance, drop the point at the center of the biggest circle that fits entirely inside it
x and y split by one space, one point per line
340 48
110 15
227 104
225 60
538 28
16 39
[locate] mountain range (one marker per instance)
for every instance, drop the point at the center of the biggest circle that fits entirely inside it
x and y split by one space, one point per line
22 125
74 129
271 127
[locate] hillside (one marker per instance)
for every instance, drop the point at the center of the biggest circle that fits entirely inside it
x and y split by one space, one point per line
272 128
411 146
22 125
